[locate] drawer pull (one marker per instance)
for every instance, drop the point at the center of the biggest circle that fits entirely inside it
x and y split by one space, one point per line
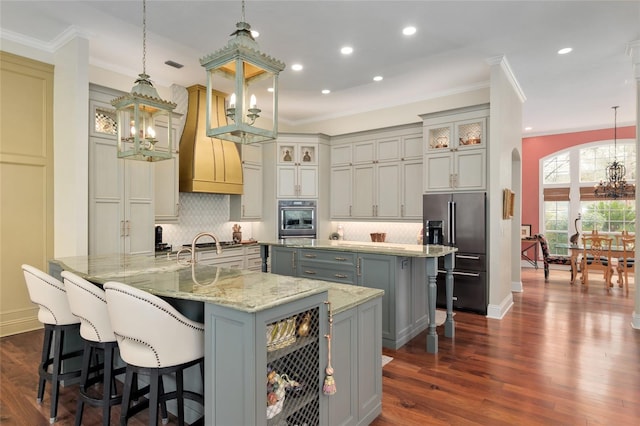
309 272
310 256
340 276
462 256
341 259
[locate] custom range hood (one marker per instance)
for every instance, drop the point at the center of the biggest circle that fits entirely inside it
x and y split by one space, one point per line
207 164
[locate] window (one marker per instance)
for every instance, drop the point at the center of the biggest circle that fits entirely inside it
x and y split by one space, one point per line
568 178
608 216
556 169
556 219
594 161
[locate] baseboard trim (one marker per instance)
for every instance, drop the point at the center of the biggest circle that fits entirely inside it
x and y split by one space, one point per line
499 311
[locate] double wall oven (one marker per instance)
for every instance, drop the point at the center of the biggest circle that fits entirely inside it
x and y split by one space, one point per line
297 219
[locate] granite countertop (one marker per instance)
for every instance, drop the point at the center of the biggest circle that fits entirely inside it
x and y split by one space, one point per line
393 249
243 290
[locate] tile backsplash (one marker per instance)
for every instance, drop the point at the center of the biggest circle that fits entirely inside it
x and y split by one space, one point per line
210 213
202 213
397 232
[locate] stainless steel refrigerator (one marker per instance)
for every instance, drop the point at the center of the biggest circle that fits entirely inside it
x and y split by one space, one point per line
459 220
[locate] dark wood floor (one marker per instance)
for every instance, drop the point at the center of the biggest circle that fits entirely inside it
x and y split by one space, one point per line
561 356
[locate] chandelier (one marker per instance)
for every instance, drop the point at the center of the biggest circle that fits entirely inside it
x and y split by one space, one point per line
616 186
143 118
253 79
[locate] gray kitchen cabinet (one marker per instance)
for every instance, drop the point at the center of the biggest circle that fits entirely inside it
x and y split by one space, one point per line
327 265
284 261
356 348
393 275
240 357
404 304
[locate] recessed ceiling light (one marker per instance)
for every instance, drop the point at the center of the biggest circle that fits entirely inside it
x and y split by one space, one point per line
270 89
326 91
528 128
347 50
409 31
564 50
377 78
296 67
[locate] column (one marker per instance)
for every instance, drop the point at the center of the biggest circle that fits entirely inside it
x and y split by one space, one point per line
633 49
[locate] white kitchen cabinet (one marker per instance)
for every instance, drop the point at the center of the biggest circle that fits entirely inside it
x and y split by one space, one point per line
341 185
384 169
411 190
455 171
455 149
376 191
121 206
248 206
167 177
297 170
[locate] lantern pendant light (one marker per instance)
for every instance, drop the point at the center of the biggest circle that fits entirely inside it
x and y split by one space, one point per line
252 77
143 117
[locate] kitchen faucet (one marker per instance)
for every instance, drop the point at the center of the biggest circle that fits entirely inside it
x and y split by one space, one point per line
193 246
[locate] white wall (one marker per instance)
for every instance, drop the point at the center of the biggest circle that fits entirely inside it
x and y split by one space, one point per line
504 137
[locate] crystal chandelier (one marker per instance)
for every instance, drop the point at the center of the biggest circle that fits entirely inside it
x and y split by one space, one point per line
254 76
616 186
143 118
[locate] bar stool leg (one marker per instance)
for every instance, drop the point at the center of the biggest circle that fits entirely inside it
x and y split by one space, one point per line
154 390
107 386
180 396
46 351
57 365
84 376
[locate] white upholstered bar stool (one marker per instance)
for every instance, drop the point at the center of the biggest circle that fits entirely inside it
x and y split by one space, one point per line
54 312
89 303
155 340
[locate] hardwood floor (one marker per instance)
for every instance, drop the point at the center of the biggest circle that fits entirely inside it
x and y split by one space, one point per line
562 356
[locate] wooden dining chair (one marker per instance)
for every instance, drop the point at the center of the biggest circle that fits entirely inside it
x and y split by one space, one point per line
596 255
622 235
626 263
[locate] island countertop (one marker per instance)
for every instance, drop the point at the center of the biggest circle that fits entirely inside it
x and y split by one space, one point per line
393 249
243 290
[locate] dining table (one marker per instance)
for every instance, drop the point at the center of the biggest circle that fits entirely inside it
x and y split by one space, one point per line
575 250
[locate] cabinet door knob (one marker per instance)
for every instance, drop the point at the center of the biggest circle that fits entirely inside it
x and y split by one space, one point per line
310 272
310 256
340 276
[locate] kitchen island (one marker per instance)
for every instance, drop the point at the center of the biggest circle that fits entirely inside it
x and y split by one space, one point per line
240 310
406 272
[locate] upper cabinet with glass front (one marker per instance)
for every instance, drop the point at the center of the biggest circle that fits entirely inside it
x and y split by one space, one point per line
458 135
455 144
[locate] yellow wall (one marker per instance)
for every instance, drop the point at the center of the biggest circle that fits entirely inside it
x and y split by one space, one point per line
26 183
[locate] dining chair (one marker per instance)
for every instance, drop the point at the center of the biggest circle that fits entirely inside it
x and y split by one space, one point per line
619 237
596 255
548 259
626 263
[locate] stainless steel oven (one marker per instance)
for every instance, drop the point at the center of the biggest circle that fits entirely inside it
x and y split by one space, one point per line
297 219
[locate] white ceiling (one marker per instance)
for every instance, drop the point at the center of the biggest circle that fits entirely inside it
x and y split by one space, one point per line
448 54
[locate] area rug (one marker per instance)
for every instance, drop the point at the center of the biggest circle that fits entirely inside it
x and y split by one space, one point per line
441 317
